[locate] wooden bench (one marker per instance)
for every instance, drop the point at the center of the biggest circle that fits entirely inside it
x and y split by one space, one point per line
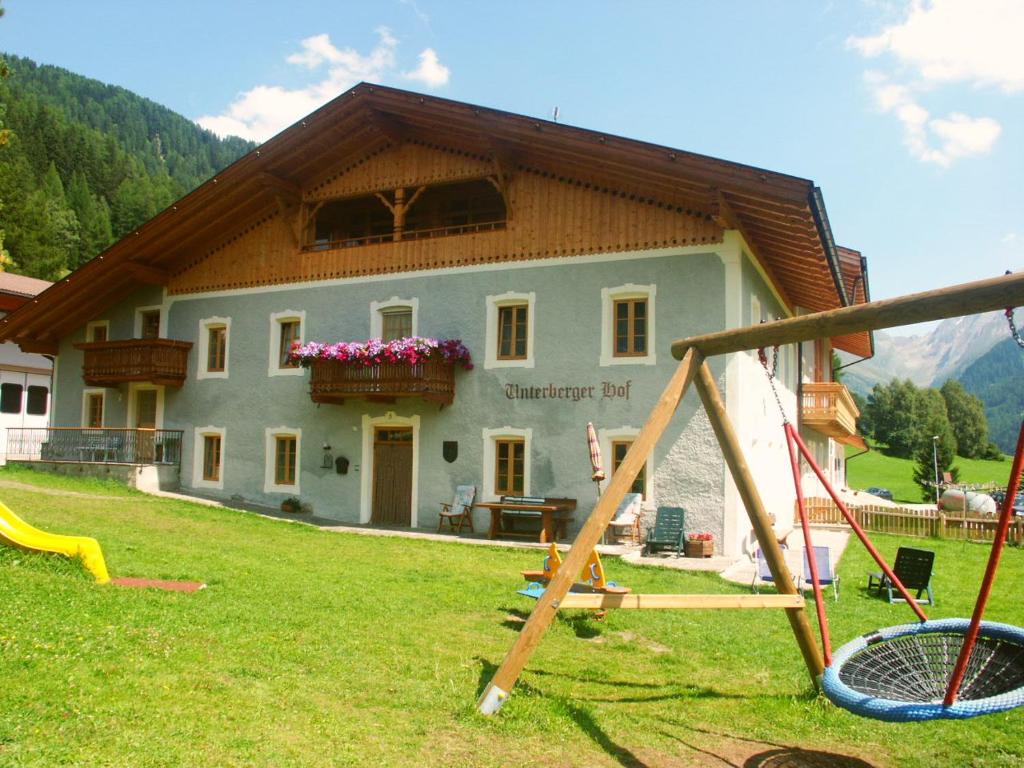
553 513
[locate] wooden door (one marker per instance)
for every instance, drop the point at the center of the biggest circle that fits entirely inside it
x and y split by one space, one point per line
392 476
145 419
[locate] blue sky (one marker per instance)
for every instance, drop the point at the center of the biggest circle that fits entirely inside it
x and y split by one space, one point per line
909 115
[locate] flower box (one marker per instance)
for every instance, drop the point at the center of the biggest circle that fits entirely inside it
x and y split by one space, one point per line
699 545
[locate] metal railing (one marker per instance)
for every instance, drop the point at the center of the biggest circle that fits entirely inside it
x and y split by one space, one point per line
98 446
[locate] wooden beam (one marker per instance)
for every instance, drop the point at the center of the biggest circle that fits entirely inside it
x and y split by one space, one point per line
497 690
38 346
148 274
737 463
955 301
281 186
641 602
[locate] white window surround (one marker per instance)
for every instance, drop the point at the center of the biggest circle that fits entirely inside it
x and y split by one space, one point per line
490 436
494 303
608 298
270 455
370 424
605 438
273 367
85 406
378 308
133 390
90 328
198 450
154 308
204 347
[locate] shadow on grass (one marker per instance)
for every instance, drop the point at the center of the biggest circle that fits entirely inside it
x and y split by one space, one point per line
581 622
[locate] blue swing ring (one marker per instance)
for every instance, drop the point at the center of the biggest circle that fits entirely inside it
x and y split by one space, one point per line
900 674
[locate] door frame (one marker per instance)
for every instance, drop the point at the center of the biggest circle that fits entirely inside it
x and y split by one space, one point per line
132 417
370 425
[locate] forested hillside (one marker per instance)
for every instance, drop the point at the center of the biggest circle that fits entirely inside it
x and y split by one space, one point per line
996 377
85 162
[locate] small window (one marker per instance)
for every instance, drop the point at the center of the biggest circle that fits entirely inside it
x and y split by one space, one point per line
509 464
619 450
512 332
284 459
396 323
10 398
630 327
94 410
36 403
211 457
217 344
290 333
96 331
150 320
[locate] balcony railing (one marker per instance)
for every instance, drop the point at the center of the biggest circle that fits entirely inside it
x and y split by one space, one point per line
101 446
829 408
157 361
332 381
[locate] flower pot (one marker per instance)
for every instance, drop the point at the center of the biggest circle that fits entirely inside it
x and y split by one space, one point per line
699 548
290 508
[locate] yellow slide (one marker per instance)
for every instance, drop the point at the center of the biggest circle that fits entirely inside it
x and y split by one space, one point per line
14 530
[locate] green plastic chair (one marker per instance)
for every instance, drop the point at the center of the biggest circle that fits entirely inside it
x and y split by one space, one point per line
667 532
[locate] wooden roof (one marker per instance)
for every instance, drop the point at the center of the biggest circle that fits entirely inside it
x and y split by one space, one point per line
782 217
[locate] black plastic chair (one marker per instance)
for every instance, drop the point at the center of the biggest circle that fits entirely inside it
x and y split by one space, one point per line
913 567
667 532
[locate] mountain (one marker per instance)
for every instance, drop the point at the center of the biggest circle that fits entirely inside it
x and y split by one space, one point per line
929 359
995 377
86 162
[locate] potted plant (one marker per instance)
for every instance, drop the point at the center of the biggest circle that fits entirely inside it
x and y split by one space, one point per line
292 505
700 545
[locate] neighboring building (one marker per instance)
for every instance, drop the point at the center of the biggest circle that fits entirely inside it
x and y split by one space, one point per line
24 378
566 260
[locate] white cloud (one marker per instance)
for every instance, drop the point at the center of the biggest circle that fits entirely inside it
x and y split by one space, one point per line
956 41
264 110
1009 237
431 71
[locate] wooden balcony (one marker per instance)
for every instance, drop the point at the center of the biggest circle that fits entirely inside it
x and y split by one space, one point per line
155 361
829 408
335 382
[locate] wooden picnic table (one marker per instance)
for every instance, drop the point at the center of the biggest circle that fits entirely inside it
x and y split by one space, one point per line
553 513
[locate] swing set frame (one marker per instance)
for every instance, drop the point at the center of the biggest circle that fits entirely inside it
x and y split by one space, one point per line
954 301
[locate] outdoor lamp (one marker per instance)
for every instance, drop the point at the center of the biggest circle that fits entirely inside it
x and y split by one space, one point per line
328 460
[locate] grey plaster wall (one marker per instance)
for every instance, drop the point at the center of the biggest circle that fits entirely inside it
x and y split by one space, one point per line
687 466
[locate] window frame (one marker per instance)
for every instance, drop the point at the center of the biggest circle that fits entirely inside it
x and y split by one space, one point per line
93 326
140 313
631 335
28 399
379 308
87 411
489 471
610 299
515 337
206 325
199 457
608 438
277 320
491 346
270 484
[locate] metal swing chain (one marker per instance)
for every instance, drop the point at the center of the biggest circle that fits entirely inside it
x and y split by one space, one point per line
1013 328
770 372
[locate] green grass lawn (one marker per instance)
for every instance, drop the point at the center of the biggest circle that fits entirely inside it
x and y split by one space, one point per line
877 469
312 648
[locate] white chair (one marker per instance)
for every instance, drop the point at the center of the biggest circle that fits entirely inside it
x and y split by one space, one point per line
626 523
460 509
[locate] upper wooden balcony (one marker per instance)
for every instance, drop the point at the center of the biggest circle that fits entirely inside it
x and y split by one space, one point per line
155 361
828 408
332 381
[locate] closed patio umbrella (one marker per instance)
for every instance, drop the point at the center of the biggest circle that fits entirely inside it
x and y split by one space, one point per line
595 456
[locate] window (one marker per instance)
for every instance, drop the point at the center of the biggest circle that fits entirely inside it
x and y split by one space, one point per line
211 458
630 327
451 209
216 348
509 467
208 458
10 398
512 327
92 408
627 325
283 446
150 320
97 331
351 222
36 403
396 323
286 329
510 331
619 450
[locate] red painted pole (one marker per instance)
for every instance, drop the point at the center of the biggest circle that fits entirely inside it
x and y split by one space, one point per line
971 638
812 561
858 530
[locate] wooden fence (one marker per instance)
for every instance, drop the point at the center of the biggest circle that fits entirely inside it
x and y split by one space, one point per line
910 521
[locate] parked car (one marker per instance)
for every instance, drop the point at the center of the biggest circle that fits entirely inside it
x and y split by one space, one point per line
1018 503
882 493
